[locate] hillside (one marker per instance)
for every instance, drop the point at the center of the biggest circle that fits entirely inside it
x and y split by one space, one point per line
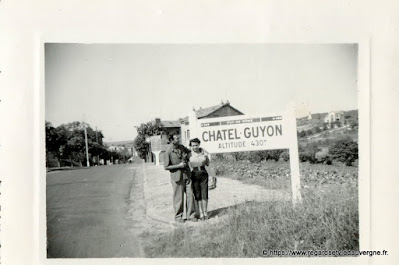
120 143
318 119
316 130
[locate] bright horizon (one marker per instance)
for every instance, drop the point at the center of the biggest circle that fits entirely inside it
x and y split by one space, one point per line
115 87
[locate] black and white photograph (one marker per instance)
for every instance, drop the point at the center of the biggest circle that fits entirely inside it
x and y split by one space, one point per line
188 132
233 150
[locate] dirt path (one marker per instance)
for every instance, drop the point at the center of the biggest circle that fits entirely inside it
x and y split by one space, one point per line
158 196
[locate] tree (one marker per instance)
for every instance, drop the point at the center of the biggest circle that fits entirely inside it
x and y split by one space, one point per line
96 149
55 140
143 131
67 141
316 130
308 152
345 150
76 141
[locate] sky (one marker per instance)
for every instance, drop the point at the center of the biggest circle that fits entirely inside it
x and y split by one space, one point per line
115 87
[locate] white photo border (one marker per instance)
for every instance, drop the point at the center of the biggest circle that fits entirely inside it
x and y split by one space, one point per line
363 65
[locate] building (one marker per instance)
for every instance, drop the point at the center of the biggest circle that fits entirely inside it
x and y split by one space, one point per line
221 110
122 147
168 127
159 143
335 116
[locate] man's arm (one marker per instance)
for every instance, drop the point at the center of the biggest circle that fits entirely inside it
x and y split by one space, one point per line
181 165
206 154
188 151
167 165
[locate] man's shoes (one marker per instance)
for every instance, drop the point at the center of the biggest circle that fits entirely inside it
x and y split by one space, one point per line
181 221
193 219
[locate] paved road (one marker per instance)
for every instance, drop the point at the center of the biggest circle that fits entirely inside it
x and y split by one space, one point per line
88 212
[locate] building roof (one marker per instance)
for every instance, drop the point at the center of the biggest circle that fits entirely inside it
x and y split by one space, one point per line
200 113
168 124
183 120
203 112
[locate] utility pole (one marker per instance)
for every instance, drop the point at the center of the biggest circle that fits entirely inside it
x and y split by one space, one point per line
87 147
98 157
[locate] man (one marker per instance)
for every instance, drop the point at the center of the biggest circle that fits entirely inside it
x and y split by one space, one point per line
176 158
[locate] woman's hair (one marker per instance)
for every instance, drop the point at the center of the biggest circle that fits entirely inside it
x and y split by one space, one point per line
195 140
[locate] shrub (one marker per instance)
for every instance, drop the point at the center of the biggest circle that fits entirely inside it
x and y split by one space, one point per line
240 155
323 157
51 160
258 156
316 130
274 154
219 157
285 155
345 150
301 134
255 157
308 152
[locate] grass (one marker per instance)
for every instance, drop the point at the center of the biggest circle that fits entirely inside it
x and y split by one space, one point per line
327 219
271 175
276 175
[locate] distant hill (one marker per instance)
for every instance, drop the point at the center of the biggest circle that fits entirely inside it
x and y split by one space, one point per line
352 113
128 143
318 119
320 116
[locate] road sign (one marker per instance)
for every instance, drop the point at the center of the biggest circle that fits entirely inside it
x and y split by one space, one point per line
251 133
156 143
237 134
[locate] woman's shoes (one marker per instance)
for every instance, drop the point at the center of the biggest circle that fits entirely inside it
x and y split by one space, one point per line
204 216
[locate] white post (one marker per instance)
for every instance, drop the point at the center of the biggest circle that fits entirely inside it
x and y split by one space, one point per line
294 158
157 157
192 120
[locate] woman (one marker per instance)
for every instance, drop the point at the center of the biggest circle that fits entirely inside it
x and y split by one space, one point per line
199 176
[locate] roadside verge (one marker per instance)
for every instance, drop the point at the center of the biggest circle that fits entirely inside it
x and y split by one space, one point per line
229 192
